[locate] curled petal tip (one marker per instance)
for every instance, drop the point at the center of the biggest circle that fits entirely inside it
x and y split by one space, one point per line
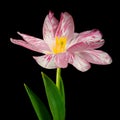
50 12
18 33
110 60
35 57
85 68
11 39
107 59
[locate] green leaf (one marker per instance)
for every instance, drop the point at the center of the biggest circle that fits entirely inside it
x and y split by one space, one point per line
55 99
39 107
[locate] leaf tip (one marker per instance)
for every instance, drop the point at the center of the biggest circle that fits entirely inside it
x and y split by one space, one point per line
26 87
42 74
24 84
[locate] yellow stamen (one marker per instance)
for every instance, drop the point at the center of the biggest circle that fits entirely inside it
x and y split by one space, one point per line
60 45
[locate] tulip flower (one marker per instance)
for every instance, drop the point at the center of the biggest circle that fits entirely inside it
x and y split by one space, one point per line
61 45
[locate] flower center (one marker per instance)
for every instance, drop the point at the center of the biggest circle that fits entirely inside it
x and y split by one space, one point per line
60 45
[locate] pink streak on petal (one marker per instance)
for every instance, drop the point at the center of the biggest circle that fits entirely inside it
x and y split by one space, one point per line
49 28
61 60
41 48
73 40
89 36
97 57
23 44
30 39
46 61
79 63
37 43
81 46
66 26
96 44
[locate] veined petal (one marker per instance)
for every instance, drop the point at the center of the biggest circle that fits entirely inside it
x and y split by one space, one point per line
61 60
66 26
97 57
46 61
30 39
96 44
79 63
89 36
49 28
23 44
37 43
40 47
81 46
73 41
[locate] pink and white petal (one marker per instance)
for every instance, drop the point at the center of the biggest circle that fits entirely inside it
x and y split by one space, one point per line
97 57
89 36
79 63
42 48
96 44
82 46
49 28
30 39
72 41
61 60
46 61
23 44
66 26
79 47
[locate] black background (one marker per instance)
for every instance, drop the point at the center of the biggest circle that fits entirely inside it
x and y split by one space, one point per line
89 95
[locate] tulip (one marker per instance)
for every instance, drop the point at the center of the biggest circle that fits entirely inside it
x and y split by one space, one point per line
61 45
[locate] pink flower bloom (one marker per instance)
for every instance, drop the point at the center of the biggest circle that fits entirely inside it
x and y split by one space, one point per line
62 46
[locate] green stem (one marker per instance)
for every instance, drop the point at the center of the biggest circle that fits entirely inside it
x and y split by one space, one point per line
58 73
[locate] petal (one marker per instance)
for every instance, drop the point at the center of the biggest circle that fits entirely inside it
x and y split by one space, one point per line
61 60
97 57
30 39
49 28
41 47
22 43
66 26
89 36
81 46
96 44
46 61
73 40
79 63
